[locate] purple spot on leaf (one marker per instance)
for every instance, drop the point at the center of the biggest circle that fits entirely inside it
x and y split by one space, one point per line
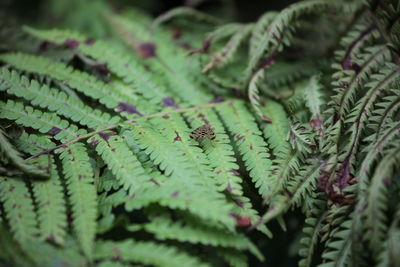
387 181
102 68
344 84
89 41
128 108
268 61
202 49
44 46
347 62
54 131
175 194
234 172
239 203
217 99
239 137
106 136
229 188
169 102
177 137
356 67
70 43
147 50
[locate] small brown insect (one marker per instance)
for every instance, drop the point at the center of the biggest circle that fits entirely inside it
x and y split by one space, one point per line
203 132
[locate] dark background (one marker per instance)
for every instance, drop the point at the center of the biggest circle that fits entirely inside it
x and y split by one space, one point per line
243 10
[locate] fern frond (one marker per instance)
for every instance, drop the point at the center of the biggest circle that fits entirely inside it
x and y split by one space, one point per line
82 194
304 182
81 81
375 212
8 151
314 97
148 253
338 247
389 255
42 121
358 116
168 156
179 194
283 73
384 113
174 128
19 209
299 137
259 30
113 263
218 34
219 152
10 250
233 257
350 81
54 100
386 138
119 62
247 137
177 69
253 94
311 232
279 31
51 209
185 11
286 160
49 194
226 54
120 160
277 131
164 228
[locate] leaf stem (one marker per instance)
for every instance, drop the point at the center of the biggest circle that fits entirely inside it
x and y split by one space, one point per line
132 120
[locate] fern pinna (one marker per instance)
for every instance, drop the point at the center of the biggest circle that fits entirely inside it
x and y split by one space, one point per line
184 141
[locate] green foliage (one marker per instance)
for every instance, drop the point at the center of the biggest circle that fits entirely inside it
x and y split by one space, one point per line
159 149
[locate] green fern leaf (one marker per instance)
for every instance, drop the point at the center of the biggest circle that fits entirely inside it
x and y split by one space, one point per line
276 132
164 228
177 70
54 100
314 97
19 209
279 31
254 96
338 247
311 231
42 121
306 182
120 63
148 253
82 194
376 218
179 194
233 257
185 11
227 53
120 160
247 136
174 128
81 81
219 152
49 194
14 156
259 30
